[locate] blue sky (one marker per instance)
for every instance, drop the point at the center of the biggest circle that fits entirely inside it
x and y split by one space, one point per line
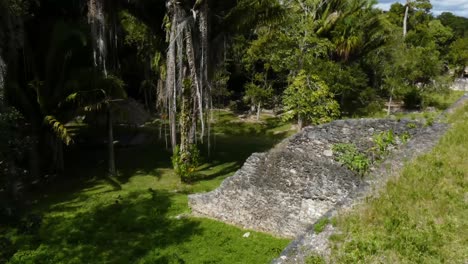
458 7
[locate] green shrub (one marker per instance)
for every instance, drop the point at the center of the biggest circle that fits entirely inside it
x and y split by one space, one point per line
371 109
412 99
411 125
429 121
382 142
405 137
349 155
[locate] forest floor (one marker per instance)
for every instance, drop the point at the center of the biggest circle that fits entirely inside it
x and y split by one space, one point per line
142 215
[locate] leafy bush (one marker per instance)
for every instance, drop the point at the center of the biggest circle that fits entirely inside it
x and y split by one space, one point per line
309 99
405 137
411 125
429 121
412 99
383 141
370 109
349 155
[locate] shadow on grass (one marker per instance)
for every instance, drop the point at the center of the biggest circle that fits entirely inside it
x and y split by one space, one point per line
88 163
150 158
206 176
233 140
122 231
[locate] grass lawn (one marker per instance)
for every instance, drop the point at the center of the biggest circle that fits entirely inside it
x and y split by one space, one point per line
421 216
88 220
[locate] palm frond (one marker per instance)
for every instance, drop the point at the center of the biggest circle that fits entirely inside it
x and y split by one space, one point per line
59 129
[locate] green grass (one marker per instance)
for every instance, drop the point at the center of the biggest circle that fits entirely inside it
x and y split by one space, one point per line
320 225
315 259
420 217
442 101
86 219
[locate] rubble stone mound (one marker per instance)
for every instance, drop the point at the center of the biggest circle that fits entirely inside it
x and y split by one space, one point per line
286 190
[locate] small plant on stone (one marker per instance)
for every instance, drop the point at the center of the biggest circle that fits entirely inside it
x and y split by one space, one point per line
429 121
383 141
405 137
349 155
411 125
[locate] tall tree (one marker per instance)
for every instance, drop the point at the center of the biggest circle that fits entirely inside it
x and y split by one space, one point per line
459 55
411 5
102 19
309 100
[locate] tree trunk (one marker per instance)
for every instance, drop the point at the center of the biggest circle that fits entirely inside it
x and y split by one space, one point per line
193 128
3 68
204 58
390 100
145 95
194 78
185 121
185 151
171 92
405 19
110 143
299 123
259 110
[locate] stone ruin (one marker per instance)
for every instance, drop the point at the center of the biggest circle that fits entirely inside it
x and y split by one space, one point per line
289 188
460 84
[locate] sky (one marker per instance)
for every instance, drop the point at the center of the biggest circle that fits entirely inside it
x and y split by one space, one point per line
457 7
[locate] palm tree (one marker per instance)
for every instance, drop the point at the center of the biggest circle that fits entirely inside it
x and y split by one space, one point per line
102 93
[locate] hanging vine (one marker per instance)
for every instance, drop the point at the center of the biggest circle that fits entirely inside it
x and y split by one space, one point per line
187 36
187 74
97 20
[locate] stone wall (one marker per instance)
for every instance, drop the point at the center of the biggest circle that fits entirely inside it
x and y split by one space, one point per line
286 190
460 84
310 243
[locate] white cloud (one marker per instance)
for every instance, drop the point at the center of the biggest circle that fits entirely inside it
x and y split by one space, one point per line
457 7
